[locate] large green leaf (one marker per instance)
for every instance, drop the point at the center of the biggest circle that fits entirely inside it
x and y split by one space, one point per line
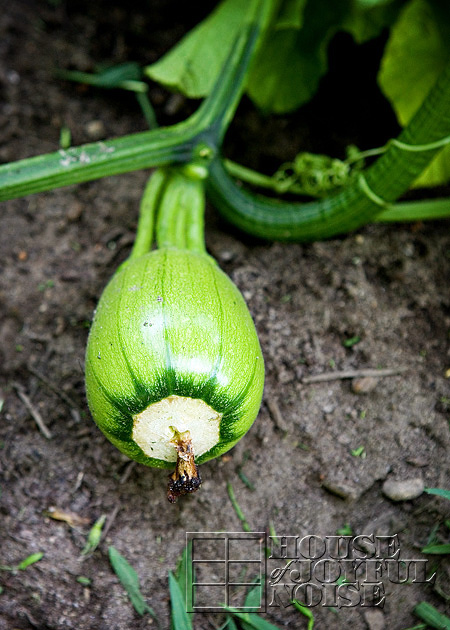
287 73
367 18
290 14
292 57
417 51
289 66
193 65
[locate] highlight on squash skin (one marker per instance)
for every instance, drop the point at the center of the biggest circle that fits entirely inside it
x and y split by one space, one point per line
174 369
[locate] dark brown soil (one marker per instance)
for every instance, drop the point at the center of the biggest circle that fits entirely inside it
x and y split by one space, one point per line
388 285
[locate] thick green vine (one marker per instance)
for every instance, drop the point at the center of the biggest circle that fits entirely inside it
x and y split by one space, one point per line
360 202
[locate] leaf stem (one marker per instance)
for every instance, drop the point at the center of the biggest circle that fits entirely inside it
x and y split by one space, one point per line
158 147
409 211
259 180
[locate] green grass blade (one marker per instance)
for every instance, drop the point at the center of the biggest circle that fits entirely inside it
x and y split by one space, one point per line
431 616
441 492
254 597
239 513
109 78
184 566
180 618
94 536
305 611
29 560
251 620
230 624
437 549
130 581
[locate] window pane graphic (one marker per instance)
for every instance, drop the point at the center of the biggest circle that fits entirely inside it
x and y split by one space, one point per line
227 568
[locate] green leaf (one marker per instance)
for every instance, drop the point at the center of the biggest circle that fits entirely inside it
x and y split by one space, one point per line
192 66
113 77
85 581
345 530
431 616
369 4
126 76
290 63
437 173
304 611
290 14
180 618
441 492
367 18
230 623
94 536
437 549
416 53
351 341
286 73
29 560
251 620
130 581
181 573
237 508
254 597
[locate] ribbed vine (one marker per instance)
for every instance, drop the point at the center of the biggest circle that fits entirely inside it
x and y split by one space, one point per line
360 202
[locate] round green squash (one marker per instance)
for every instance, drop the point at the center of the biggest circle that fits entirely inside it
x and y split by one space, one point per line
174 369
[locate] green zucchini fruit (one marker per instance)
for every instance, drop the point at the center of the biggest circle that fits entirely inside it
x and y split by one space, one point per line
174 369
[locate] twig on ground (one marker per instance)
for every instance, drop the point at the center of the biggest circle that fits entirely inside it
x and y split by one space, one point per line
276 414
33 411
79 481
369 372
54 388
128 470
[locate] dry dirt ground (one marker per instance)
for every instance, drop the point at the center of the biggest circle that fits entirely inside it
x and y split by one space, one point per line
387 285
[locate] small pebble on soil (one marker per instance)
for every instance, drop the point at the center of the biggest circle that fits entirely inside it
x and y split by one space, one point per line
403 489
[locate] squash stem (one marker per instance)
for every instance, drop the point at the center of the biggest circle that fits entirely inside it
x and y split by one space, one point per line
186 477
167 230
180 221
149 203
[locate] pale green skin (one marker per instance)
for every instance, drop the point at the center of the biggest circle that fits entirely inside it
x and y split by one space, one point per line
171 322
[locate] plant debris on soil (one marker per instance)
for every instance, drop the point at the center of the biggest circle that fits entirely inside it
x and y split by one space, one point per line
319 452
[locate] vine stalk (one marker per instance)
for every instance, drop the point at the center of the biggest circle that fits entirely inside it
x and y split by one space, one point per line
358 203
